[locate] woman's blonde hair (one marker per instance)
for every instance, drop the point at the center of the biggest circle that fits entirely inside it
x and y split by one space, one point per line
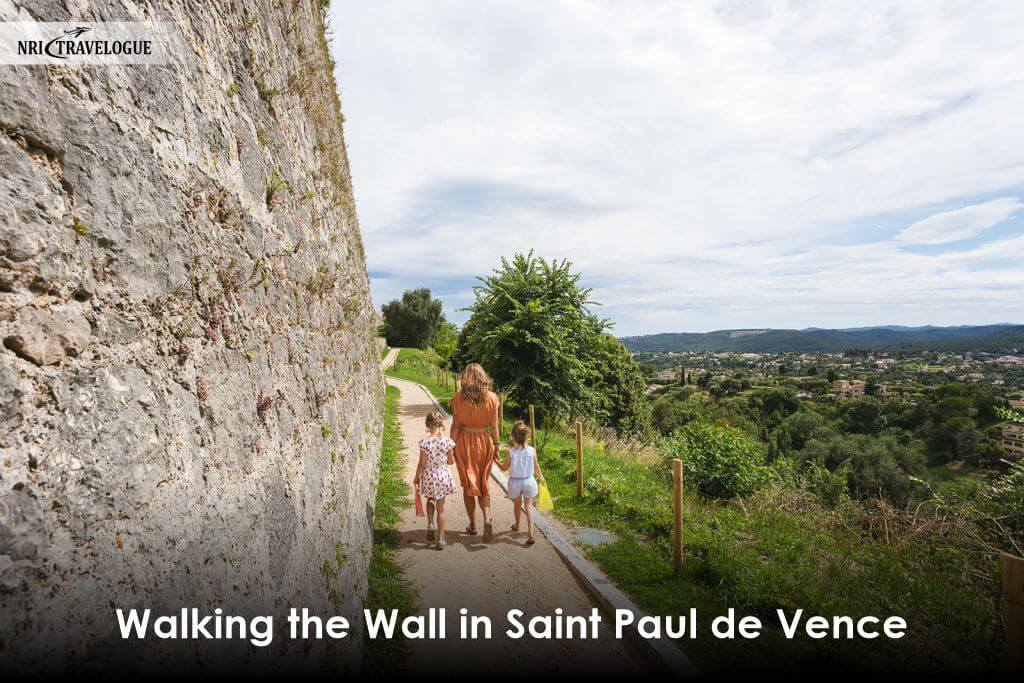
474 383
435 420
520 433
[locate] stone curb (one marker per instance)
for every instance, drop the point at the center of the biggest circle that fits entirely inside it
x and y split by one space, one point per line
661 653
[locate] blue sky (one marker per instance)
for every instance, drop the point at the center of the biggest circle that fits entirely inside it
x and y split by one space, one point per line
705 165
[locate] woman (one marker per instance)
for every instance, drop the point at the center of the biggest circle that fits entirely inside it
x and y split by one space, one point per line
475 432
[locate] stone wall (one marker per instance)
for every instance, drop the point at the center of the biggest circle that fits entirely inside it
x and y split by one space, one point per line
190 392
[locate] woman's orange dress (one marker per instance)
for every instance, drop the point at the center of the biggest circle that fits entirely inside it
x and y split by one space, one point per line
474 450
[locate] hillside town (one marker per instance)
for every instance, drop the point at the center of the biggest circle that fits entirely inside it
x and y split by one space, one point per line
833 377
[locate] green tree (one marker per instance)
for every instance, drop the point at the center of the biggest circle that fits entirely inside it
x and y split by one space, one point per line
530 327
719 386
958 438
773 404
799 428
862 415
878 466
445 341
621 390
413 320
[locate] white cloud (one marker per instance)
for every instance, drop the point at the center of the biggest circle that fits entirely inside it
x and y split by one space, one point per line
959 224
702 164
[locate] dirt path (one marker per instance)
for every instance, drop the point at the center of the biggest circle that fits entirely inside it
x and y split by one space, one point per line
490 579
389 359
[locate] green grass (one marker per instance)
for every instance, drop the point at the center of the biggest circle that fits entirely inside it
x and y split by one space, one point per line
388 587
421 367
384 353
759 558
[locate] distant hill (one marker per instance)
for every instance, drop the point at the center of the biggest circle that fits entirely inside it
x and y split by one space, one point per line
992 338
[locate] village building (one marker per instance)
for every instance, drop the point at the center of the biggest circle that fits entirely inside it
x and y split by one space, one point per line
850 388
1013 440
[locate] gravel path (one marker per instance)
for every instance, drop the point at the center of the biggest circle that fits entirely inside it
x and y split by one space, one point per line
490 579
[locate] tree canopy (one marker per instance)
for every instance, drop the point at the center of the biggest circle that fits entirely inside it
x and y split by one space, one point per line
532 328
412 321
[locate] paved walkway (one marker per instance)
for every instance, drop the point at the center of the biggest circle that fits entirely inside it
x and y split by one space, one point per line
490 579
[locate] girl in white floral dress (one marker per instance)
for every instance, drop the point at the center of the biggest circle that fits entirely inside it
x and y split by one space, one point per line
433 477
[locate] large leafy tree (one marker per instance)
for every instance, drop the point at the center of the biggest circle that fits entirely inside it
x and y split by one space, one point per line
530 326
413 320
621 389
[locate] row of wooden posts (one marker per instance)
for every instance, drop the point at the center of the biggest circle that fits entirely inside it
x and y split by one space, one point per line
1011 568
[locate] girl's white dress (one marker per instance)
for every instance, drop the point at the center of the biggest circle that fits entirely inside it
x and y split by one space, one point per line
520 473
437 481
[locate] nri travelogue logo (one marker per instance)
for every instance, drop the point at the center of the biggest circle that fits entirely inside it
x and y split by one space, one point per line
29 42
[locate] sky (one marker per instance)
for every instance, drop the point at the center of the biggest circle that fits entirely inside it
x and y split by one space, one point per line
703 165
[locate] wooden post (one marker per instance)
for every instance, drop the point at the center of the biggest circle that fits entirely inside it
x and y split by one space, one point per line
579 459
1011 568
677 515
533 428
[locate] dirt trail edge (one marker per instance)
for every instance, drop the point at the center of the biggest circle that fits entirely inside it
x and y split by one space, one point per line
490 580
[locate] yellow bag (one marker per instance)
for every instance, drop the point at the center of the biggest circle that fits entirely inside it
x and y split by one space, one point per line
544 502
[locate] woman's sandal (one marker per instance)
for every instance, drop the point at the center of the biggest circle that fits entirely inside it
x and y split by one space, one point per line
488 532
440 545
515 528
470 531
531 540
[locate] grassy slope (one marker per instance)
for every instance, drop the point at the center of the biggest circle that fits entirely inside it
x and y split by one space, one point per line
388 588
416 366
759 558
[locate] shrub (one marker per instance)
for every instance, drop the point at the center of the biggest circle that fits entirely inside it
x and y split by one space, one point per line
1005 498
827 486
599 488
719 461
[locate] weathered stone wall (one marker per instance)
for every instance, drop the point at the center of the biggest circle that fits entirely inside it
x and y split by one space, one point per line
190 391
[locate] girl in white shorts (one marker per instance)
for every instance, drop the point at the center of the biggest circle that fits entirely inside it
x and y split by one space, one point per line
523 474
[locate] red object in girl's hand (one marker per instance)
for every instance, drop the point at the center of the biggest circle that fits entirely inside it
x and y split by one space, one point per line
420 512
